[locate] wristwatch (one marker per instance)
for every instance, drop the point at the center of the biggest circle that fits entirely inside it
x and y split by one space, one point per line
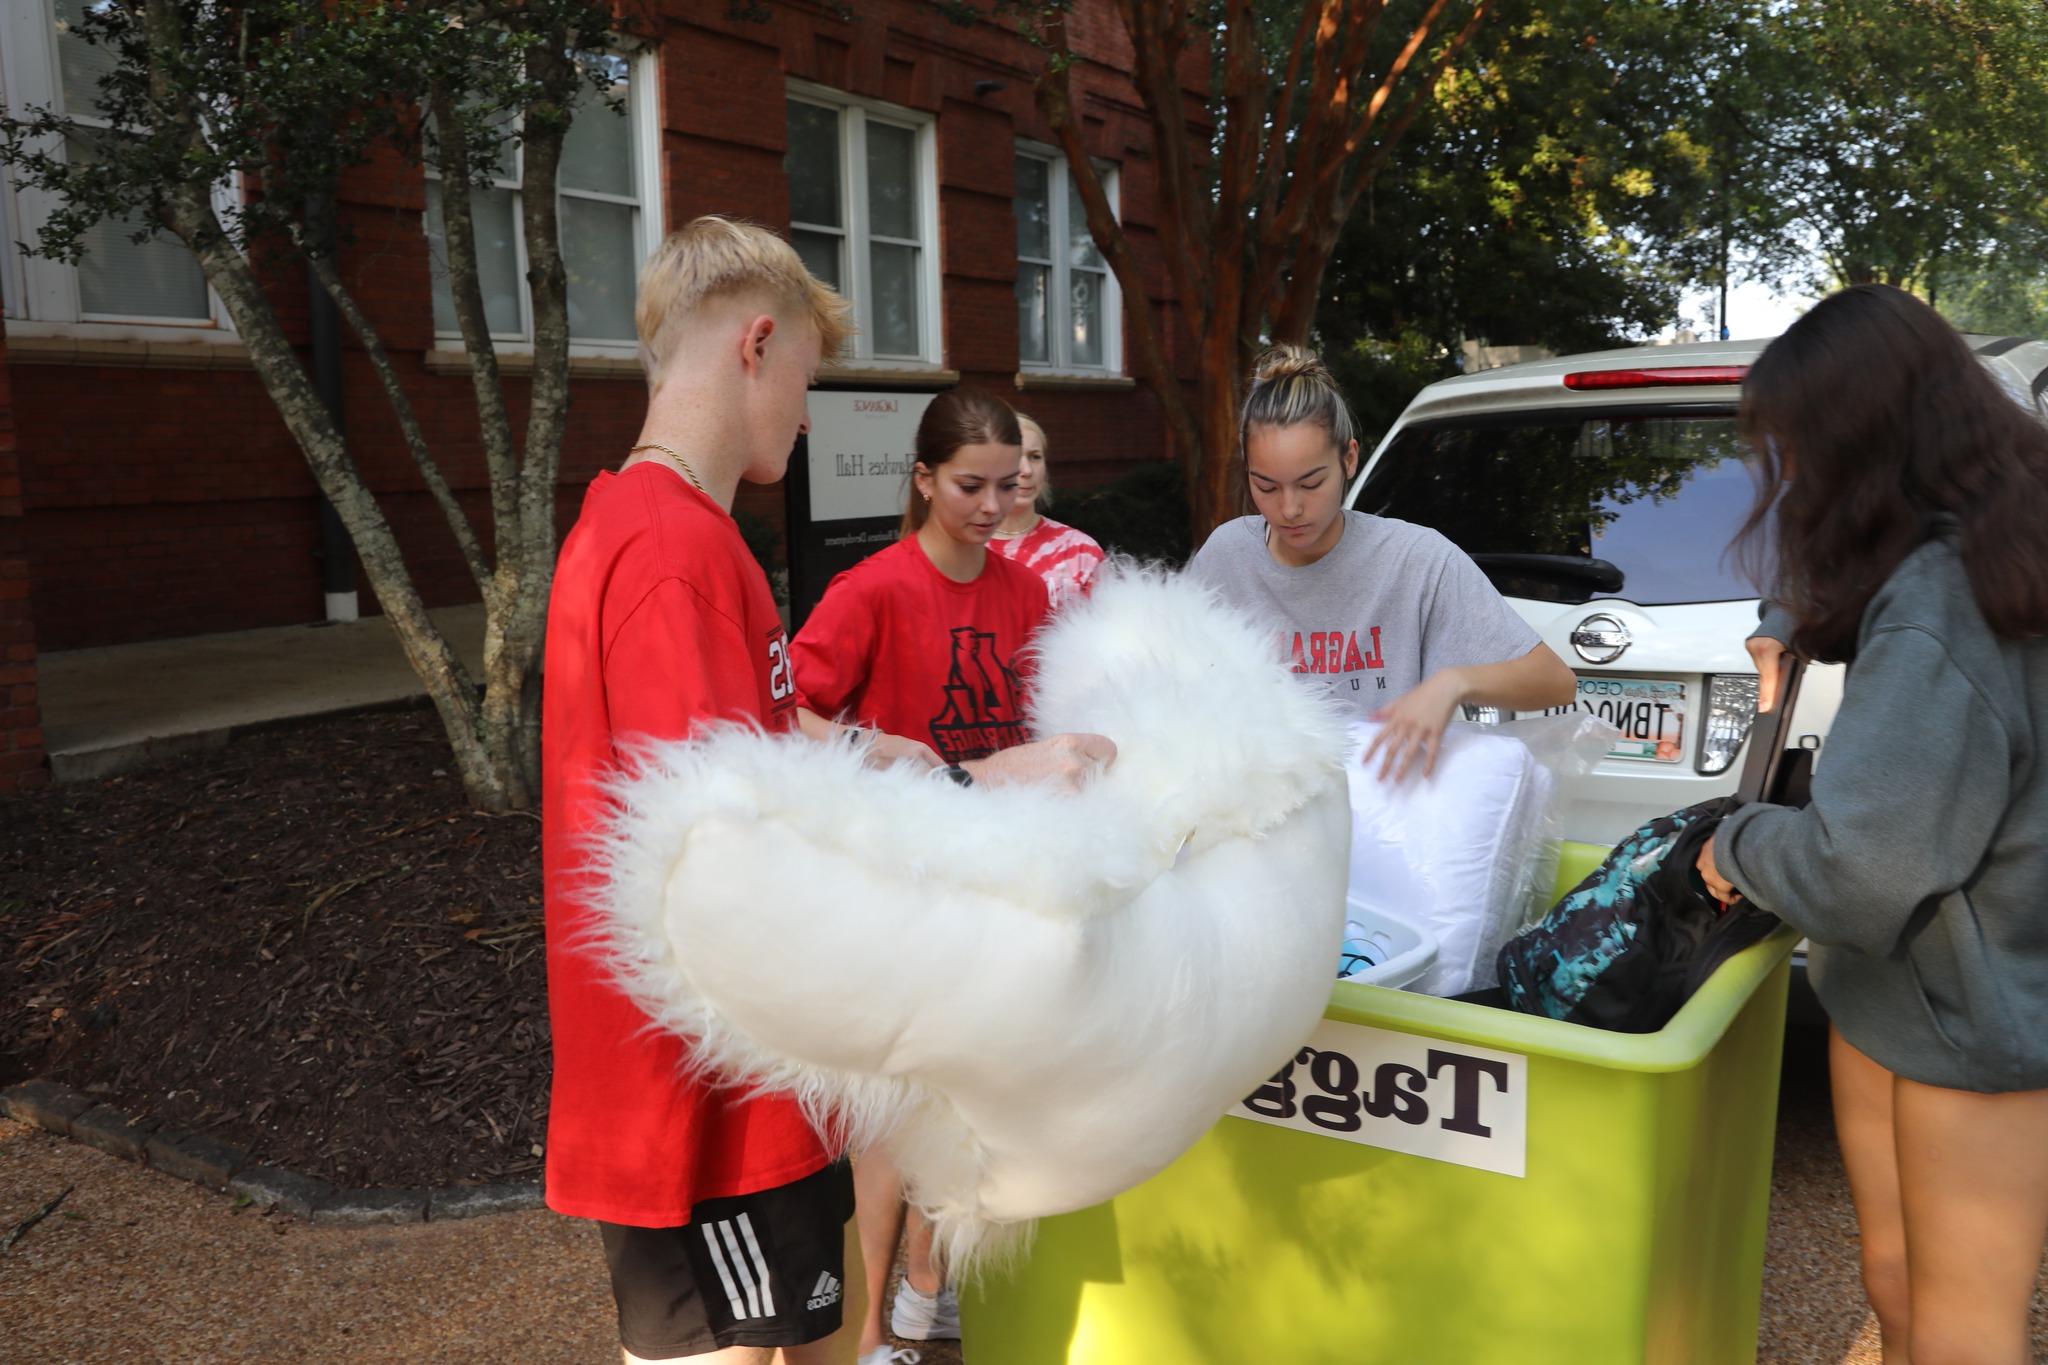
959 774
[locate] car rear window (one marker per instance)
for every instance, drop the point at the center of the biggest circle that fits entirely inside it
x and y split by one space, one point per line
1657 497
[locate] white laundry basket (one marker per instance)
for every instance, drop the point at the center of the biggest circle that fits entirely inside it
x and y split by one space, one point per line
1400 953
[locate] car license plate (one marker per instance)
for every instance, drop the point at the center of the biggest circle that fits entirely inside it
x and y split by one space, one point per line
1649 712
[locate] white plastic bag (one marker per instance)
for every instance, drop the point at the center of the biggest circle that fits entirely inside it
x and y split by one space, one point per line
1467 852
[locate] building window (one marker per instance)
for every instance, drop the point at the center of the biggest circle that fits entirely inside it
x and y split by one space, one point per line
606 219
1067 301
48 64
863 208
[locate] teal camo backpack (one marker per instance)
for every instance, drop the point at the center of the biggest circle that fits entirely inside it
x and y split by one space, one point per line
1630 944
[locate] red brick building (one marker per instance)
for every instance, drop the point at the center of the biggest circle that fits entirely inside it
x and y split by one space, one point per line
149 490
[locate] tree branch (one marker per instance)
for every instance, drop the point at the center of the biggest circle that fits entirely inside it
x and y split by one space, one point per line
277 365
1244 108
1308 143
408 419
554 72
1273 167
1297 309
459 230
1055 100
1363 125
1186 220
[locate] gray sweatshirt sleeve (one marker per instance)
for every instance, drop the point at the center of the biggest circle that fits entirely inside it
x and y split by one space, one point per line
1776 623
1908 795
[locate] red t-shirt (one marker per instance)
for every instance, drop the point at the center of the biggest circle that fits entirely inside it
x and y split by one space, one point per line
1064 557
659 620
897 645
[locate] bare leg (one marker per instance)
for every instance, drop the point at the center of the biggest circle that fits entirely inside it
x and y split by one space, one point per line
878 1208
732 1355
842 1346
919 1271
1973 1170
1863 1125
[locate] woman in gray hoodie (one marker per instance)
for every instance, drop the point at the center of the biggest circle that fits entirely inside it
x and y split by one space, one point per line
1904 497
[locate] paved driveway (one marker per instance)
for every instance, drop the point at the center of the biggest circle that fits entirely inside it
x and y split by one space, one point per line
136 1265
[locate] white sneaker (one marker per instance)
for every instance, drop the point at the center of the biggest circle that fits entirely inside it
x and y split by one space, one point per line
885 1355
918 1316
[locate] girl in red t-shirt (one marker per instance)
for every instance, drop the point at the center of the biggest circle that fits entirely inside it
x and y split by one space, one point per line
1064 557
923 640
923 643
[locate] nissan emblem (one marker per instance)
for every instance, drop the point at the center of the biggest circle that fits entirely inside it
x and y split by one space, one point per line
1600 639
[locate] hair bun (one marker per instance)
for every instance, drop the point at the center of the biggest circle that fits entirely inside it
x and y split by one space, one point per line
1288 362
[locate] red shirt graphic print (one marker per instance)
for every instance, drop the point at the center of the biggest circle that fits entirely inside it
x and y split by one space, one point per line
1338 651
983 711
897 645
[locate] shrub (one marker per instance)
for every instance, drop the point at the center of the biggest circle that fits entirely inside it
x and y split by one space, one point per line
1144 514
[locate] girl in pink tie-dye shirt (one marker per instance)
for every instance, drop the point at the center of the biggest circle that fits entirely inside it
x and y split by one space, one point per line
1066 559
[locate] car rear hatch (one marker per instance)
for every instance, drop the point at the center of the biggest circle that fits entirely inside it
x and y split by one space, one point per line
1607 527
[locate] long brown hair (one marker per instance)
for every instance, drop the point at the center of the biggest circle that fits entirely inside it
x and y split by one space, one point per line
1876 429
955 419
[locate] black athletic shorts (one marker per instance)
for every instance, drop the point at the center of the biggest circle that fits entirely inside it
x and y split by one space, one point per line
764 1269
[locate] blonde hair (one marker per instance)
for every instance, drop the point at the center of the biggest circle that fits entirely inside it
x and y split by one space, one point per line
1290 386
712 258
1044 498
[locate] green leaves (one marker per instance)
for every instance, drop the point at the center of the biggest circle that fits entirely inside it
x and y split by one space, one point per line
289 95
1585 161
1889 133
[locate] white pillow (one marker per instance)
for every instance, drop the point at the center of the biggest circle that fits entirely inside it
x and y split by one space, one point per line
1032 1000
1448 853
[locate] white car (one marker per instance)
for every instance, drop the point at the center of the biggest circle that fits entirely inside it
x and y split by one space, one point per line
1599 492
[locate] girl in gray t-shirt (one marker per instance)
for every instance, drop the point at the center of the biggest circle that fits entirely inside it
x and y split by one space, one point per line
1393 618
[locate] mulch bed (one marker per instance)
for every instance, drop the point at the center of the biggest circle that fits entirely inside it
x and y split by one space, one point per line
305 944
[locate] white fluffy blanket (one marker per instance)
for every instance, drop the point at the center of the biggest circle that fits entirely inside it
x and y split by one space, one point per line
1032 1000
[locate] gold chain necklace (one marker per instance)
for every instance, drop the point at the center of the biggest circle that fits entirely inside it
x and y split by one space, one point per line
680 463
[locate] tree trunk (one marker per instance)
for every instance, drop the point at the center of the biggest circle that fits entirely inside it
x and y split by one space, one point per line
484 778
495 737
1216 487
1249 229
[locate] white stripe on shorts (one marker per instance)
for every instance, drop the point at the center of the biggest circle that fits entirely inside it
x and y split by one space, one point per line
739 1310
761 1263
743 1272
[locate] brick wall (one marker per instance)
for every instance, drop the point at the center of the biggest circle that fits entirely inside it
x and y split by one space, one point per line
22 764
165 502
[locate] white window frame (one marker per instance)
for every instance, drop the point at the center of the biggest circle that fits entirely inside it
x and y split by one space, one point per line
643 110
854 113
1059 290
37 290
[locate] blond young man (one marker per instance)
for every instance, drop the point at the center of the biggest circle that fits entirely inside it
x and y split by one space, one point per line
723 1216
726 1220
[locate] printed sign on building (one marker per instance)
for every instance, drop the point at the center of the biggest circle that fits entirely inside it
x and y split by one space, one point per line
861 449
1404 1093
847 481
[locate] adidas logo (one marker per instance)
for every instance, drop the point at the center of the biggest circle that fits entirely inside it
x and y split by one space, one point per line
826 1292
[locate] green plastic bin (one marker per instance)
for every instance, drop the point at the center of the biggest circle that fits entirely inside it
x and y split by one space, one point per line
1618 1220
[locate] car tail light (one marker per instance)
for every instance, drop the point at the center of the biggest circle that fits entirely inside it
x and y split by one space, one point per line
1731 710
1675 376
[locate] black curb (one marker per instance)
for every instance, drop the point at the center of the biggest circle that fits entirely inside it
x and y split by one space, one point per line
214 1164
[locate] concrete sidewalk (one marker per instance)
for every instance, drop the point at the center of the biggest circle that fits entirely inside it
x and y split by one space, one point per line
108 709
